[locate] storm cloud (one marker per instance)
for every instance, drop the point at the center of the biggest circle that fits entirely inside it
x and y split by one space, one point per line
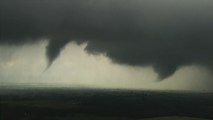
165 34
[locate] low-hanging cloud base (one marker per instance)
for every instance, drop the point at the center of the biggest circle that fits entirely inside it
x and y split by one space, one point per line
165 34
21 66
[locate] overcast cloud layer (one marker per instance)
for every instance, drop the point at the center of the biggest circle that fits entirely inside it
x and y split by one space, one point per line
165 34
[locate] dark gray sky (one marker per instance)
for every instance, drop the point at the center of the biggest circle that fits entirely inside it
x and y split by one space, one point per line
163 34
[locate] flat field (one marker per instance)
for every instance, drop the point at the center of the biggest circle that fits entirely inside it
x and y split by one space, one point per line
103 104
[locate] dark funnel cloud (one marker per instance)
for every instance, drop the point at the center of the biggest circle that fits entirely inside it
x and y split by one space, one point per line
165 34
